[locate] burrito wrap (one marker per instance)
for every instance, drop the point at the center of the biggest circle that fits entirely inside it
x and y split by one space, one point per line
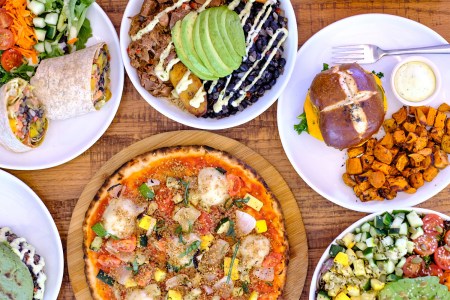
64 83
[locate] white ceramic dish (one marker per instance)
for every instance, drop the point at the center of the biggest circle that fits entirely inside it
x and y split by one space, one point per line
67 139
351 228
171 111
321 167
26 215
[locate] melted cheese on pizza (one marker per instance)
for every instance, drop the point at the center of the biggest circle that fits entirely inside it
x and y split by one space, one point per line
213 187
120 217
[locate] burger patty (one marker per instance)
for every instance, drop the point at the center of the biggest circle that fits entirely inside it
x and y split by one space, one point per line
34 262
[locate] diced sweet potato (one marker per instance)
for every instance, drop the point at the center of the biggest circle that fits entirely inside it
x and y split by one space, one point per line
425 151
389 125
370 195
410 127
398 183
402 162
415 159
430 173
420 143
355 151
366 161
399 137
440 159
439 122
421 118
354 166
444 107
382 154
447 126
387 141
431 116
416 180
370 145
348 180
379 166
400 115
436 134
377 179
445 143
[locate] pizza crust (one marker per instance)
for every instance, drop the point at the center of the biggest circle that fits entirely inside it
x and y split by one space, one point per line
142 162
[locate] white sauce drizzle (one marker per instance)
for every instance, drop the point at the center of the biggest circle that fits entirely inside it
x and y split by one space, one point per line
198 98
155 21
234 4
211 87
184 83
203 7
161 72
257 25
245 13
221 101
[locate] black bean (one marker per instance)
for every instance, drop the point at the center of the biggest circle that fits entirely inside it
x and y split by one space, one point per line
282 62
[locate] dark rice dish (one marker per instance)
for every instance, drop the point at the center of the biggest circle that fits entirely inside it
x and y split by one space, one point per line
265 30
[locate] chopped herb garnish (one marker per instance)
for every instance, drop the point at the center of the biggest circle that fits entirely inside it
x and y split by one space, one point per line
231 232
146 191
378 74
221 170
105 278
303 125
427 260
134 267
99 230
143 240
236 248
221 222
238 202
269 283
179 232
172 268
325 67
186 191
193 246
245 287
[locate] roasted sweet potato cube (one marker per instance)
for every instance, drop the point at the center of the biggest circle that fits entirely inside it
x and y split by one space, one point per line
379 166
431 116
377 179
447 126
359 188
370 195
354 166
430 173
415 159
398 183
360 178
400 115
388 140
445 143
412 110
421 131
389 125
387 193
425 151
410 127
366 161
439 122
421 118
440 159
370 145
382 154
420 143
416 180
402 162
348 180
409 189
436 134
426 163
444 107
394 150
399 137
355 151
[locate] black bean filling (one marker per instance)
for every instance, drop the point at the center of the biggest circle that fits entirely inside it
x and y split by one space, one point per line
268 78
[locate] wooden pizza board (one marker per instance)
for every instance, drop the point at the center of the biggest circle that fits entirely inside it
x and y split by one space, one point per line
298 263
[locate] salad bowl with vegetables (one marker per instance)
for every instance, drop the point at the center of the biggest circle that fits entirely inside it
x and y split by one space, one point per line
398 254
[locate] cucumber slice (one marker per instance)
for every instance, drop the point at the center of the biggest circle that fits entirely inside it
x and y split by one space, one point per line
40 34
361 246
378 223
40 47
36 7
389 267
51 32
379 256
51 18
414 219
335 249
387 219
368 253
39 22
398 220
48 47
61 22
387 241
365 227
418 232
403 229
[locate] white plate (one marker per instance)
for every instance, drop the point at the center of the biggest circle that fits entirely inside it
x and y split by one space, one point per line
351 228
321 167
171 111
67 139
26 215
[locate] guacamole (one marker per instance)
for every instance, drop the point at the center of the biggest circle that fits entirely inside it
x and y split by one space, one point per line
15 278
421 288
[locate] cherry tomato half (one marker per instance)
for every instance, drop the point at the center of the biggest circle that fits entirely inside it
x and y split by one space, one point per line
124 245
447 238
11 58
107 261
442 257
413 266
433 224
234 184
425 244
5 19
6 39
432 270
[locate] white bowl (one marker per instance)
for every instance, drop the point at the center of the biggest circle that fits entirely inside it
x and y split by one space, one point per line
436 79
171 111
351 228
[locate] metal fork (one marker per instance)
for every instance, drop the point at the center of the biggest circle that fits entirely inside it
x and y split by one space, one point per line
367 54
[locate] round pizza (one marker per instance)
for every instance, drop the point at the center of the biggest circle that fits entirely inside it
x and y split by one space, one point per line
187 222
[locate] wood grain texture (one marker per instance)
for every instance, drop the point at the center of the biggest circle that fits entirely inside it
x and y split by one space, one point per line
298 263
60 187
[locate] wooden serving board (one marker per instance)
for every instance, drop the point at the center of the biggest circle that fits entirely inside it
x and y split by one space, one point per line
298 264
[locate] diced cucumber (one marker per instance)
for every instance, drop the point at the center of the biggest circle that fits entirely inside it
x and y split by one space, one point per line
398 220
40 47
379 256
394 231
335 249
372 263
403 229
359 254
418 232
322 295
366 285
392 278
358 230
401 263
96 243
61 22
387 241
370 242
401 243
40 34
36 7
48 47
368 253
410 246
387 219
378 222
389 266
105 278
361 246
51 32
365 227
358 237
399 272
377 232
51 18
392 254
414 219
39 22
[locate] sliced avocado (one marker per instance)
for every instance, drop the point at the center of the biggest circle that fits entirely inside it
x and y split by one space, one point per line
235 32
230 58
187 44
204 47
182 55
221 22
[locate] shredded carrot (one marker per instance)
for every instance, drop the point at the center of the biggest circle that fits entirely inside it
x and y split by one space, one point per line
72 41
22 28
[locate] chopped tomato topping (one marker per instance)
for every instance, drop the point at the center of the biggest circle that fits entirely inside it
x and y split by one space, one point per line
108 261
272 259
234 184
205 223
124 245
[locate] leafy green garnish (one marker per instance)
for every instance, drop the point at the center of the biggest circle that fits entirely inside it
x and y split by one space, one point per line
233 258
99 230
24 71
303 125
245 287
146 191
134 267
179 232
186 191
84 34
378 74
238 202
192 247
325 67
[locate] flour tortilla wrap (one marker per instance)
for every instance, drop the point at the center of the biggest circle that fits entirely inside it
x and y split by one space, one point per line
23 123
64 83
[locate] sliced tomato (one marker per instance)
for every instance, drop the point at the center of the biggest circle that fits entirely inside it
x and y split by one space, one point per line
107 261
124 245
413 266
445 279
272 260
11 58
5 19
432 270
433 224
205 223
234 184
165 204
447 238
425 244
442 257
6 39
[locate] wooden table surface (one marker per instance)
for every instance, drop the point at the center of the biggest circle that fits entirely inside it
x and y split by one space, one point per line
60 187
